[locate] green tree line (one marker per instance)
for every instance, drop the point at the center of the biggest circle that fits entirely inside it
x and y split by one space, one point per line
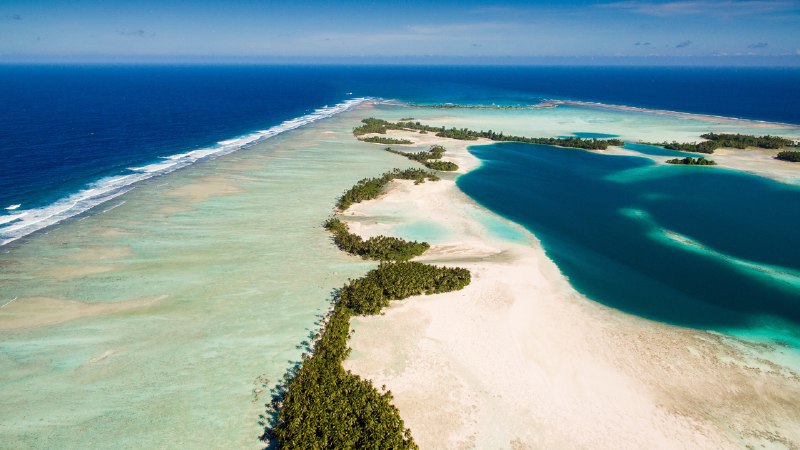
741 141
395 281
689 161
788 155
383 248
370 188
385 140
319 405
429 158
372 125
323 406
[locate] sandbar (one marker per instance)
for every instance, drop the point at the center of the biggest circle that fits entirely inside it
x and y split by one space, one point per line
520 359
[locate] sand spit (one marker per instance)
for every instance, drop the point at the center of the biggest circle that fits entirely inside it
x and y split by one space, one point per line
666 112
519 359
758 162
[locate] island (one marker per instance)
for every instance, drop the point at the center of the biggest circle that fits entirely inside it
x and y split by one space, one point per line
430 159
373 125
689 161
741 141
319 404
788 155
385 140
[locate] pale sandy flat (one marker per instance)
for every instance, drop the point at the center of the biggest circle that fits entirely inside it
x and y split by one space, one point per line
753 161
31 312
519 359
205 188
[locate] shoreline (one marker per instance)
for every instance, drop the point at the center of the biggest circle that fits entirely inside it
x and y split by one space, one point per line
29 222
755 162
667 112
520 359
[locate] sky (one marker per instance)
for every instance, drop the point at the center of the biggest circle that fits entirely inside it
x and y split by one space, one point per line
172 30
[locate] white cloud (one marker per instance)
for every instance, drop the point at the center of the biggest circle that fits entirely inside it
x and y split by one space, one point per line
704 7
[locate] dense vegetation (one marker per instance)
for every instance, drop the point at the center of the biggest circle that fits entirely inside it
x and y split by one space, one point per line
745 140
373 125
370 188
435 152
443 166
714 141
573 142
461 106
689 161
385 140
324 406
395 281
787 155
429 158
320 405
695 147
382 248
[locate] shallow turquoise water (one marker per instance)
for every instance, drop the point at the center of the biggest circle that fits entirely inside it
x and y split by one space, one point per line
422 230
498 228
236 247
658 151
590 135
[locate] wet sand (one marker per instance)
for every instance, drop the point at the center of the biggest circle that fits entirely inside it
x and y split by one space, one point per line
519 359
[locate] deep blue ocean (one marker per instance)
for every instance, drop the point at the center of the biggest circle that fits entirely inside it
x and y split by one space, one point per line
69 133
63 127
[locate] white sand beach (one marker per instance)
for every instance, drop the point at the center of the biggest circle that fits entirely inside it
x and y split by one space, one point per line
520 359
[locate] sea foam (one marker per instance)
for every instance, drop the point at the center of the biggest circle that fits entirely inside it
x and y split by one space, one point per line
24 222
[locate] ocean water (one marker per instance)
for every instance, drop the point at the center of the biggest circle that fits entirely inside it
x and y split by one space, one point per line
72 137
197 263
701 247
236 267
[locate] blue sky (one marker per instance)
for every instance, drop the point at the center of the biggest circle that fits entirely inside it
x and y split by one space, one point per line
42 29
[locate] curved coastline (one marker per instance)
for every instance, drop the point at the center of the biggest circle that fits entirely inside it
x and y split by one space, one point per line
522 358
19 223
519 358
234 244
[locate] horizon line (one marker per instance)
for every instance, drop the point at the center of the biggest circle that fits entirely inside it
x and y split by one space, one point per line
435 60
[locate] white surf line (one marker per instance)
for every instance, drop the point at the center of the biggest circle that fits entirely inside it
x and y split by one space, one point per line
108 188
9 302
115 206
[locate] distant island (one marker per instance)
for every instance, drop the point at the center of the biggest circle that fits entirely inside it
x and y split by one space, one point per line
319 404
689 161
385 140
373 125
741 141
461 106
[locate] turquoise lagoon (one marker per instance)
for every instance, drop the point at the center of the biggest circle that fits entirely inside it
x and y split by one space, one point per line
235 248
701 247
234 252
